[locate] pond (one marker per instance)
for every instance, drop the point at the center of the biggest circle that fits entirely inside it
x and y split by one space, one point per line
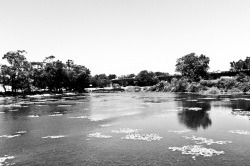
125 129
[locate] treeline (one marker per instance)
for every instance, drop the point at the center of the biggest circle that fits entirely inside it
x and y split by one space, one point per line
195 78
143 78
52 75
49 75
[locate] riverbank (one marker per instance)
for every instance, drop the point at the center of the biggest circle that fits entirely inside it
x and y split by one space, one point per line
235 85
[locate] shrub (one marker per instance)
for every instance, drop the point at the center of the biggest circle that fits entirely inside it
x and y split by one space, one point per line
234 90
179 85
193 87
213 91
209 83
243 86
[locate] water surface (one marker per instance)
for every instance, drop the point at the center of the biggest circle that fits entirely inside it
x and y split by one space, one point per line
125 129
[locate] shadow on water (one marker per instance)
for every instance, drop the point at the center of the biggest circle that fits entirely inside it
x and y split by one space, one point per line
195 119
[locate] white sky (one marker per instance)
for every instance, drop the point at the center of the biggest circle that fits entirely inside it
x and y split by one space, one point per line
127 36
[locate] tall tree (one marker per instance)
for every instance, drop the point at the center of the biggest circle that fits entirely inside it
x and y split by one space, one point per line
19 70
145 78
193 66
240 65
112 76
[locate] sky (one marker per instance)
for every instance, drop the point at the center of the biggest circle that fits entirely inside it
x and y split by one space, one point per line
127 36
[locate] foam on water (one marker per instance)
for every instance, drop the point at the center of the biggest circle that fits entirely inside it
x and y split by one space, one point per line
63 105
14 110
105 125
241 132
143 137
95 118
54 136
99 135
191 100
130 113
208 98
10 136
197 150
33 116
56 115
190 108
21 132
206 141
3 159
239 112
179 131
126 130
237 109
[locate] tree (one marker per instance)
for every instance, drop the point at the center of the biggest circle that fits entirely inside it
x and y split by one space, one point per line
18 71
193 66
100 80
112 76
240 65
5 76
145 78
161 74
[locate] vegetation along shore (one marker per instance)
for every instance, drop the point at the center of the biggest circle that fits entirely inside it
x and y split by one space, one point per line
54 76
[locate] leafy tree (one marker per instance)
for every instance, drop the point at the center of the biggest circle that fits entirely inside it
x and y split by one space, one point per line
5 76
18 71
112 76
81 75
240 65
161 74
193 66
145 78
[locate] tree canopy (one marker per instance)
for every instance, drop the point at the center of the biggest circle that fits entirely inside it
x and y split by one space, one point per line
240 64
49 74
145 78
193 66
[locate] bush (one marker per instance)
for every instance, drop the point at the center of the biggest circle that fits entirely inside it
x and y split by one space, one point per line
234 90
133 89
243 86
179 85
213 91
209 83
193 87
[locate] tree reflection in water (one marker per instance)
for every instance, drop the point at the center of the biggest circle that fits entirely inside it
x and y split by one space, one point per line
195 119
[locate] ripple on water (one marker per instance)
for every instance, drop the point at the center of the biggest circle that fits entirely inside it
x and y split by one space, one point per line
54 136
21 132
206 141
197 150
63 105
126 130
179 131
241 132
105 125
10 136
190 108
56 115
143 137
33 116
14 110
3 159
99 135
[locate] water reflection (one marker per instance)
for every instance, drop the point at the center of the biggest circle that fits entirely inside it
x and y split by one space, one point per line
195 115
195 119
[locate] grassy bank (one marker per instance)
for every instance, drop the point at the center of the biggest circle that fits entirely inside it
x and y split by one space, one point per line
238 84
